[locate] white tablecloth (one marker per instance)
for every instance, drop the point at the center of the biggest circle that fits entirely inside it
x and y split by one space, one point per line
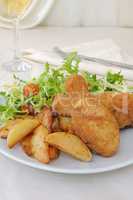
19 182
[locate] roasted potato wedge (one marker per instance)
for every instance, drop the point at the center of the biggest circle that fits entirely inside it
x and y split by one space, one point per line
34 145
20 130
6 128
65 124
40 148
55 125
46 118
27 145
70 144
53 152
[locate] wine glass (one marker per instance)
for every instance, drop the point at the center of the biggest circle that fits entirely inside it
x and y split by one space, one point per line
14 11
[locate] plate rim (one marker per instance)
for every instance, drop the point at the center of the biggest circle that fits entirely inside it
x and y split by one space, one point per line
49 168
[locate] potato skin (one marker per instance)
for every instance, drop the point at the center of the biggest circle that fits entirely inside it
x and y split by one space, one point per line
55 125
20 130
53 152
70 144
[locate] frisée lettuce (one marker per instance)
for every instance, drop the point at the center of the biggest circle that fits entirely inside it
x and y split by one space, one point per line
51 82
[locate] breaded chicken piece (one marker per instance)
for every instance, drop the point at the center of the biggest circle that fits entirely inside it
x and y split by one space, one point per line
101 135
63 104
89 130
91 121
94 133
78 103
112 100
121 105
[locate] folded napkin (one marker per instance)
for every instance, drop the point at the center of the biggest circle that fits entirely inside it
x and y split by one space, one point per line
106 49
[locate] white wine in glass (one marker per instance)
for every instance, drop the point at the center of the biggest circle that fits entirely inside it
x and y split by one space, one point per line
14 11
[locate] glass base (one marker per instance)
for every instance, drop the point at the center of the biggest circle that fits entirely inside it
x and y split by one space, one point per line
17 65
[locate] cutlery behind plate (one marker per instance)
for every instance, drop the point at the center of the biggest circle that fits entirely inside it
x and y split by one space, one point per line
64 54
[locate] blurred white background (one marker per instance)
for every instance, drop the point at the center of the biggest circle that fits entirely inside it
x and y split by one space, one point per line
91 13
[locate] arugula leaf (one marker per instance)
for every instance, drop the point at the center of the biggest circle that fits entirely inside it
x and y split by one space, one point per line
3 108
114 78
3 94
71 63
94 84
110 82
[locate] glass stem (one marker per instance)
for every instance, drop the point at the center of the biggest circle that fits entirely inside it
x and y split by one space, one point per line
17 53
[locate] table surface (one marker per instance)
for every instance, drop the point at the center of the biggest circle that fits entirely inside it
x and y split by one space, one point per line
19 182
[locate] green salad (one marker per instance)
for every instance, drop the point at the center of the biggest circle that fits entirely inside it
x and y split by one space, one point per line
50 83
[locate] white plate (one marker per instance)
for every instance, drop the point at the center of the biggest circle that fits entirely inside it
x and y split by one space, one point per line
68 165
34 18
